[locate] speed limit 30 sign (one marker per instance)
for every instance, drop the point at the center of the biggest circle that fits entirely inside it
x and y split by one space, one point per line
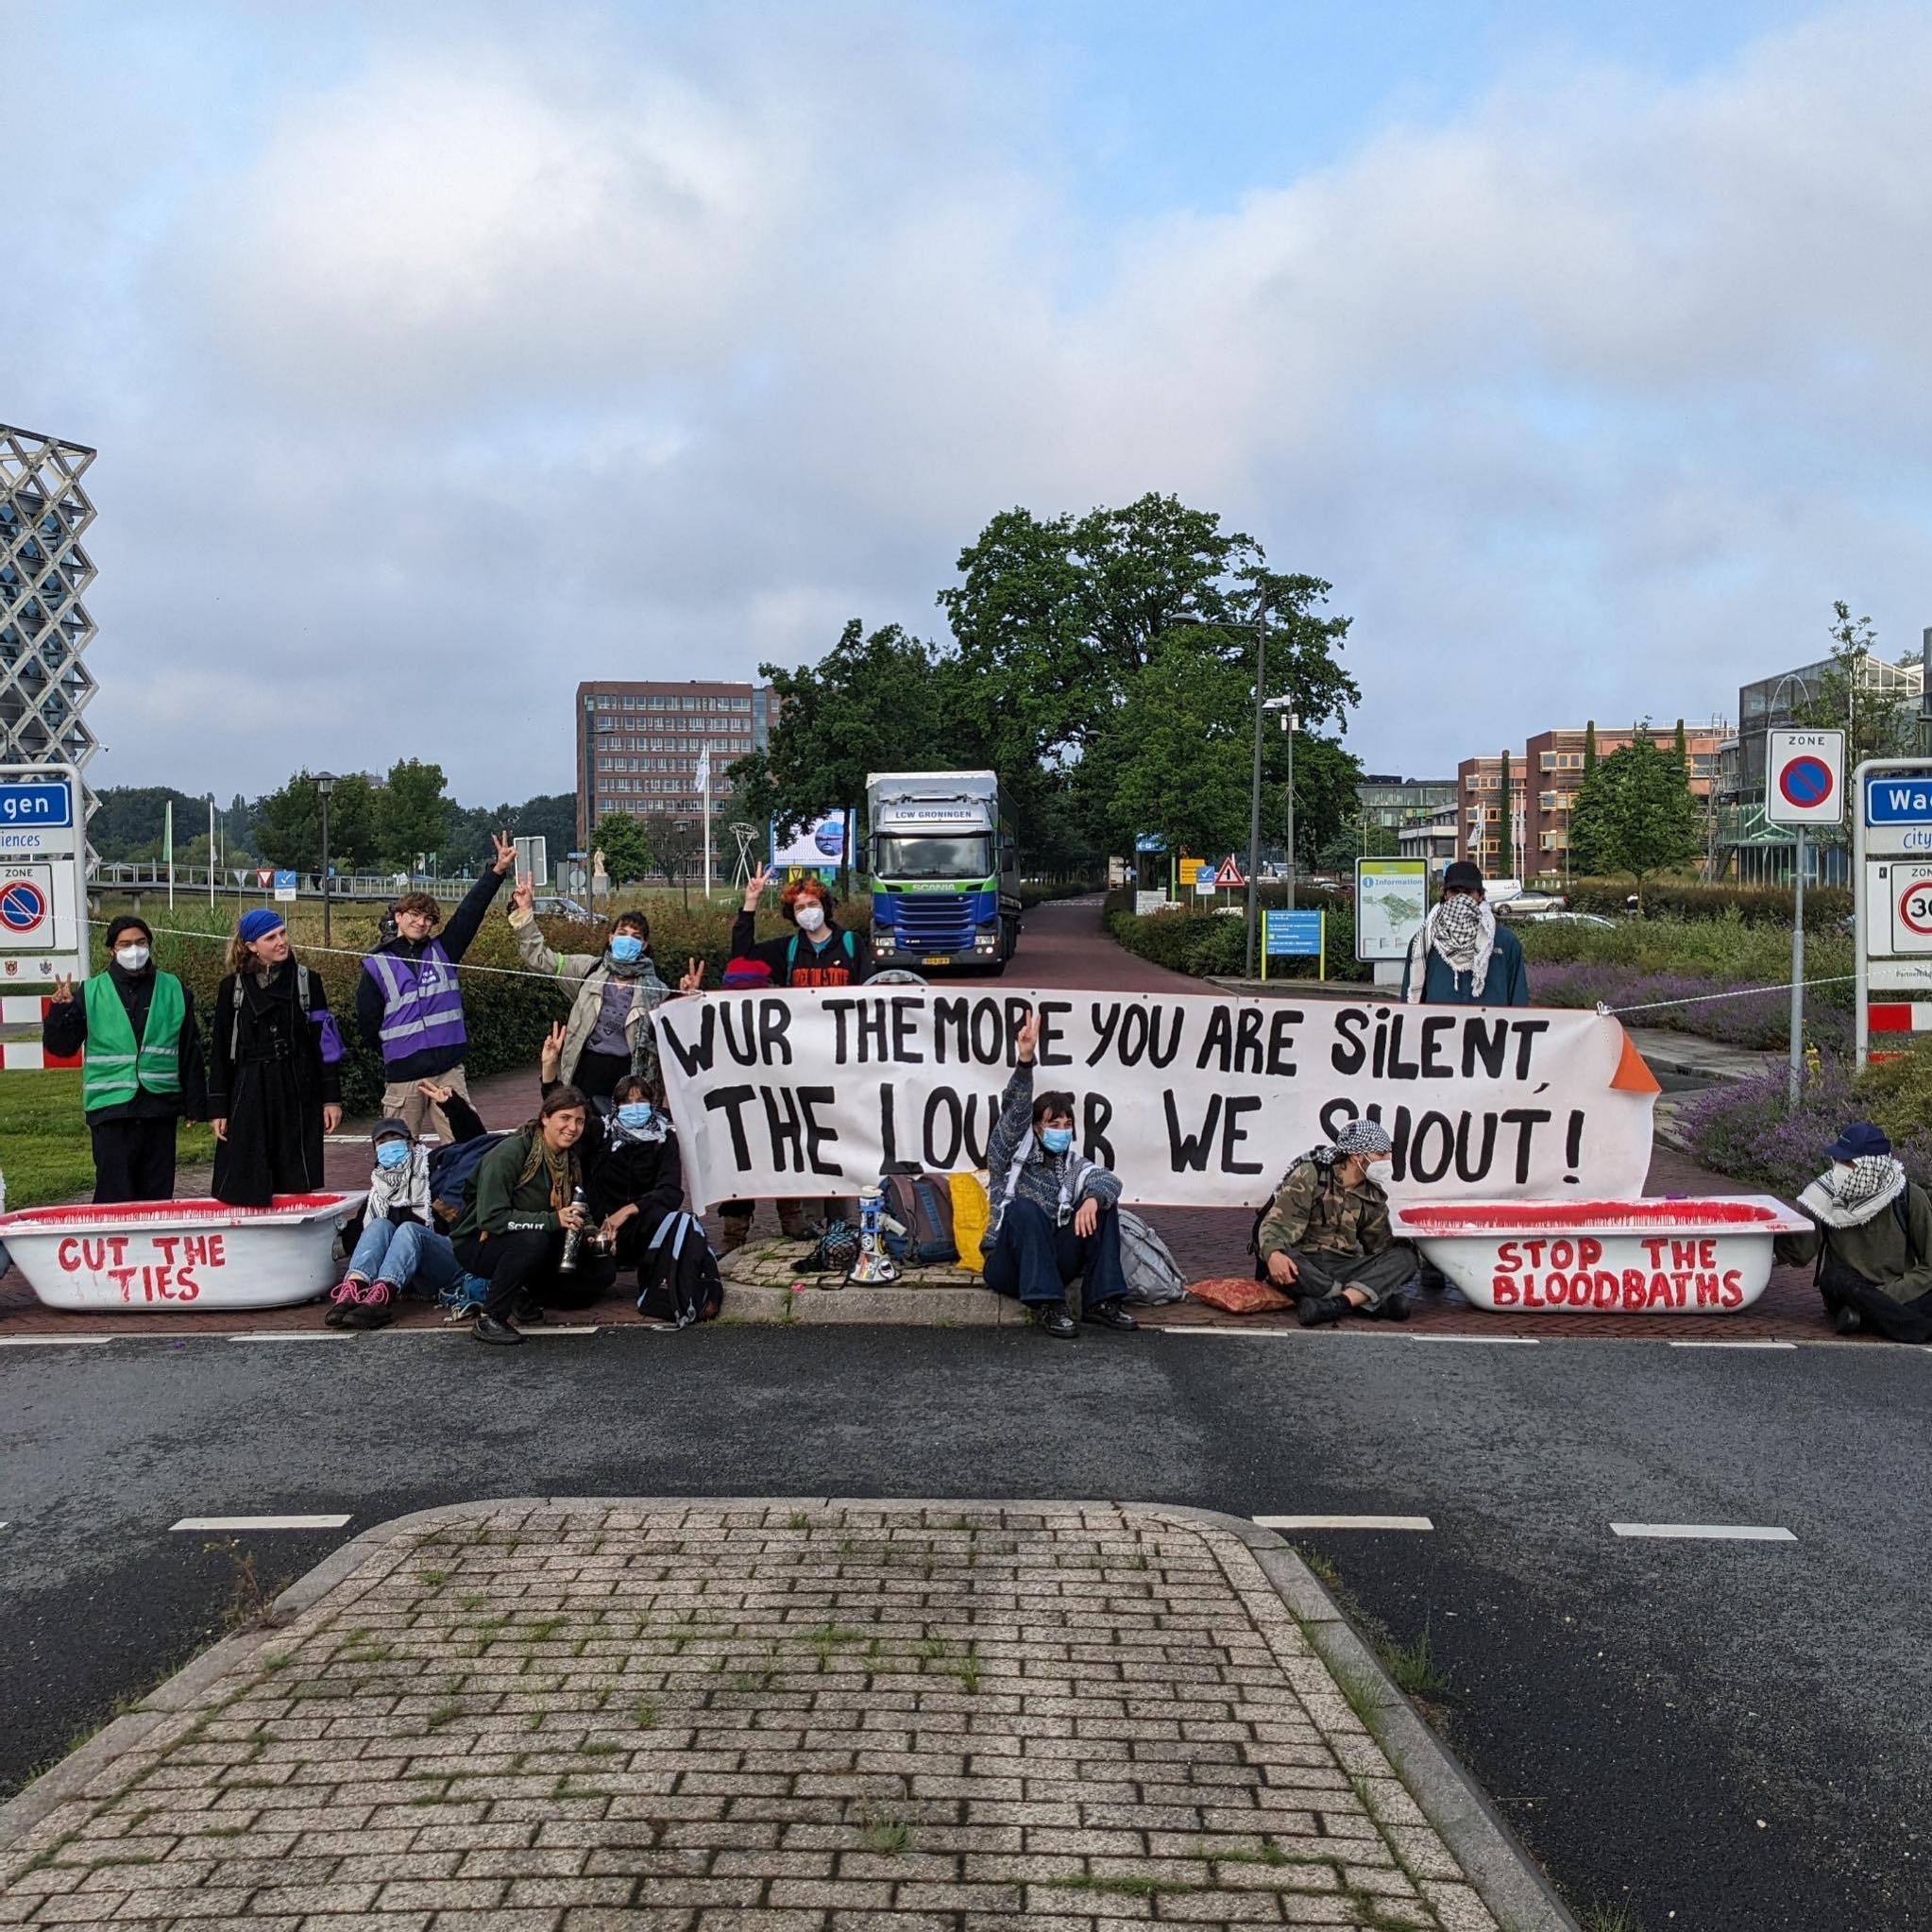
1804 778
1909 887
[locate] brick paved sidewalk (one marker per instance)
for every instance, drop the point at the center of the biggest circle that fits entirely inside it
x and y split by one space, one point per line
774 1716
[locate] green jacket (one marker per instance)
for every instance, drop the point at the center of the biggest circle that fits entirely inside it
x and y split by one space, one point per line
1878 1249
494 1204
1314 1212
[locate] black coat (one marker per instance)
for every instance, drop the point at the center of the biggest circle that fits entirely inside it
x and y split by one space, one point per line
267 1081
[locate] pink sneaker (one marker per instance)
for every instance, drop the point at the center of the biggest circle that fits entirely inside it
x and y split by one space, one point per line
341 1297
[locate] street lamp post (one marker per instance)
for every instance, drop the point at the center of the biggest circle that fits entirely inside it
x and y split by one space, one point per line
1291 723
1254 797
324 784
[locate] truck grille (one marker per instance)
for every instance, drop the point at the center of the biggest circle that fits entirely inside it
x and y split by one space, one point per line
935 923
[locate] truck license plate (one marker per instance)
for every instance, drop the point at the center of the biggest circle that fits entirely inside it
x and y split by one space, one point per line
937 959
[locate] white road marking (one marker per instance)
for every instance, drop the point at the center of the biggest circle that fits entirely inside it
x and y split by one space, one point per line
295 1336
1714 1532
1247 1334
55 1341
1734 1344
543 1329
1343 1523
260 1523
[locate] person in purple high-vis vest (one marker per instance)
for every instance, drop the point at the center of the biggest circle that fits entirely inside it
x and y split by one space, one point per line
409 1008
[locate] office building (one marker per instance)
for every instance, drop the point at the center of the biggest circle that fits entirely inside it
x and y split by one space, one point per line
1544 780
639 744
1431 839
1385 803
45 627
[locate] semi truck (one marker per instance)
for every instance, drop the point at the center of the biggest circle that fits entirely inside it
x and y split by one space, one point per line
945 870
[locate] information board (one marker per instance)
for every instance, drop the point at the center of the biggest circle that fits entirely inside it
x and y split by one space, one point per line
42 877
1391 901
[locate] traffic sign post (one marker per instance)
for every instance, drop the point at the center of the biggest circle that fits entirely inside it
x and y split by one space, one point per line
1891 886
1804 785
42 877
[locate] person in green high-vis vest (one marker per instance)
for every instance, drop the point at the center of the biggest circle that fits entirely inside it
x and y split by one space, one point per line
143 1072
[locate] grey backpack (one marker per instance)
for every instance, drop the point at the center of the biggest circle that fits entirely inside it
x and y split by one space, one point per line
1153 1275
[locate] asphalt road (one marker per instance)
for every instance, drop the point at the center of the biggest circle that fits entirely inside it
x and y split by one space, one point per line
1717 1734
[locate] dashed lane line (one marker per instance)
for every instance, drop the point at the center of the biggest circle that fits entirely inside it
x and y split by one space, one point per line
260 1523
1734 1344
1343 1523
1706 1532
56 1341
293 1335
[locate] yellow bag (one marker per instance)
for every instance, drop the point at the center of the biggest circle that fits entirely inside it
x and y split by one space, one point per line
969 1217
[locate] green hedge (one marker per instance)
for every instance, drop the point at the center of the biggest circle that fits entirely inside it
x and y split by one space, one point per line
1214 944
1824 906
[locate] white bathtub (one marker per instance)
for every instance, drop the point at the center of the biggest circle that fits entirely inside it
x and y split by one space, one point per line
180 1254
1704 1256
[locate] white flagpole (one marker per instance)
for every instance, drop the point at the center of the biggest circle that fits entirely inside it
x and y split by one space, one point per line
168 840
704 782
210 848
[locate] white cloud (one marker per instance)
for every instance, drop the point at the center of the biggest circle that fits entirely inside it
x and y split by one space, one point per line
480 367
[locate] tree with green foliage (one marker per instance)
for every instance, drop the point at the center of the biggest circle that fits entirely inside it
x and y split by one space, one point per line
288 824
626 846
1634 813
411 813
1589 746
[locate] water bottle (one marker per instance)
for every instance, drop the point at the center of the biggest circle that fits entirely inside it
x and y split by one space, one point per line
573 1237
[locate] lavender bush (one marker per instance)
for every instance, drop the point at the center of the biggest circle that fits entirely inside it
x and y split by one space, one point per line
1749 1130
1756 1020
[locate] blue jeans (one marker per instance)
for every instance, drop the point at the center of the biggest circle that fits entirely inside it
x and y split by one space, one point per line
409 1256
1033 1259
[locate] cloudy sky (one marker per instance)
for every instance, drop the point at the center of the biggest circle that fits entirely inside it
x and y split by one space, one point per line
440 355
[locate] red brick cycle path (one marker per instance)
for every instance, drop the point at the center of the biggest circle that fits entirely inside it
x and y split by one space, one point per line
1065 947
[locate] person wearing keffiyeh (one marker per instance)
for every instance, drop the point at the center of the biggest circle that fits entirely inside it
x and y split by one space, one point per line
1870 1239
1327 1240
1460 955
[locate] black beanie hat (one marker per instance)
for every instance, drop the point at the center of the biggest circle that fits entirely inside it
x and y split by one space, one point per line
127 923
1465 876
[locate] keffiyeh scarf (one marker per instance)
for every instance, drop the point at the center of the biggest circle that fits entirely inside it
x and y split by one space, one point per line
1358 1137
1850 1197
1462 933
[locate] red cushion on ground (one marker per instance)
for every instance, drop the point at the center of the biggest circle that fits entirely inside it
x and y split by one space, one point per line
1240 1294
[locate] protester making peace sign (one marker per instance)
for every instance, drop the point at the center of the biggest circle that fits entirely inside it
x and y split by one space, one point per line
144 1069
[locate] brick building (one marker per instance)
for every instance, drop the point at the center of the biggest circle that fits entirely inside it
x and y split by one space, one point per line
638 745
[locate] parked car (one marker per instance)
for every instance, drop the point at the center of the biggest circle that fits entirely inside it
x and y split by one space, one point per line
557 906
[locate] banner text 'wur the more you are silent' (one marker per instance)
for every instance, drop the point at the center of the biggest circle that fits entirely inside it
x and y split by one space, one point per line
1189 1099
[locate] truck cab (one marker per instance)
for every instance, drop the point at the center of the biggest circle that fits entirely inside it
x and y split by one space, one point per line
945 870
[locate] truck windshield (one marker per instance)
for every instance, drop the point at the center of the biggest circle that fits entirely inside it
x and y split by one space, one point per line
935 856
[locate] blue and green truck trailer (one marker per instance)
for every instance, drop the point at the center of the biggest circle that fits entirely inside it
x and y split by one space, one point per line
945 870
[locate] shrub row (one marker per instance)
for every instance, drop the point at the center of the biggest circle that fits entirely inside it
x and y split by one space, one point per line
1214 944
1824 906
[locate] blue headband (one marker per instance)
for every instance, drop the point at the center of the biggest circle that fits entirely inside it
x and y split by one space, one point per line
259 924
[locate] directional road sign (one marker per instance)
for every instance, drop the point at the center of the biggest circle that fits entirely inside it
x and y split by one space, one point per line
42 877
1804 778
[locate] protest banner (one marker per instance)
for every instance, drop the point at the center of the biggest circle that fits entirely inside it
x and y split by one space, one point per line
1192 1100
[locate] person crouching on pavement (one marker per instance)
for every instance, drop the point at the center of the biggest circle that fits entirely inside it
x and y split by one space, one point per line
1871 1237
1050 1211
518 1206
1327 1239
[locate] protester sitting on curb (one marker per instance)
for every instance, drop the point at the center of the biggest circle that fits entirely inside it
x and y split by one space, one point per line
1327 1237
818 955
517 1207
1870 1238
409 1008
1461 957
273 1081
609 1032
401 1245
143 1074
1050 1211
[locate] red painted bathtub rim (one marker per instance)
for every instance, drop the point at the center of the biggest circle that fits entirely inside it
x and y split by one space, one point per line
1555 1217
285 1210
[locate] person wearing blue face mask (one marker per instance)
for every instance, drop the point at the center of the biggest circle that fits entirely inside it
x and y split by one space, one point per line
609 1032
1051 1211
400 1245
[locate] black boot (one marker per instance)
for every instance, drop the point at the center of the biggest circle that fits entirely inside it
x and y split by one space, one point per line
1054 1318
1317 1311
1111 1314
490 1328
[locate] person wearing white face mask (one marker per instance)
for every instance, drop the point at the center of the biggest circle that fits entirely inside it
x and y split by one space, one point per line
1327 1239
143 1072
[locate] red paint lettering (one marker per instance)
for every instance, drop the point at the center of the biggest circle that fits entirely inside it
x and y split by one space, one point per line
1660 1291
1534 1250
1707 1291
117 1245
1633 1288
1608 1288
1507 1258
1530 1298
187 1287
68 1255
1680 1280
1563 1254
1580 1291
1654 1246
1734 1288
1684 1254
123 1278
1588 1252
1504 1291
1707 1252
